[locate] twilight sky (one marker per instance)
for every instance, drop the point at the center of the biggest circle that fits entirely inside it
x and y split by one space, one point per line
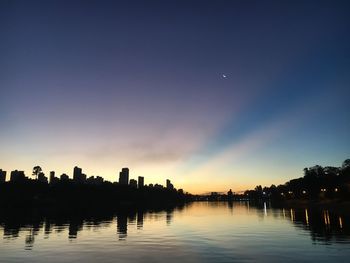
139 84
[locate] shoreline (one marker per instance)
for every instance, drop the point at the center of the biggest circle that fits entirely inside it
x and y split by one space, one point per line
333 205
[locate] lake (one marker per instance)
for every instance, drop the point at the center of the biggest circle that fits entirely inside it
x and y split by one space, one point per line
196 232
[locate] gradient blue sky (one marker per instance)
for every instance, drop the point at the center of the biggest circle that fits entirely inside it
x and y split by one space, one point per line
109 84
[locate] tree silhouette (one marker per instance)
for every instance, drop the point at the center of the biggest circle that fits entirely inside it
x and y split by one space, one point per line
36 171
258 188
306 171
346 164
318 183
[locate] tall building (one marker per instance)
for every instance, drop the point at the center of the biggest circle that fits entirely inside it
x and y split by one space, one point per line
52 177
169 185
124 176
78 175
17 176
2 176
141 182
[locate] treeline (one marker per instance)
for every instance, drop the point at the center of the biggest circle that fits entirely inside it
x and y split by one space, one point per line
33 193
317 183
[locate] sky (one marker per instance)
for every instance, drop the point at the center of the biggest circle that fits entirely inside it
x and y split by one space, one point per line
213 95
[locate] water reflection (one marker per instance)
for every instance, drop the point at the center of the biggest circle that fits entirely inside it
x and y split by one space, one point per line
15 225
323 226
307 217
122 226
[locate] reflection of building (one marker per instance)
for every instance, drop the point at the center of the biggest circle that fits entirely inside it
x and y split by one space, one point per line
17 176
2 176
29 240
48 227
124 176
169 216
169 185
141 182
139 219
78 175
122 226
74 227
131 218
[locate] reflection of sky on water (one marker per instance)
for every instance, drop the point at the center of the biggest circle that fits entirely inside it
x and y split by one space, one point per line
199 232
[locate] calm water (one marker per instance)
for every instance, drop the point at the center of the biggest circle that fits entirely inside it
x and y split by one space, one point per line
199 232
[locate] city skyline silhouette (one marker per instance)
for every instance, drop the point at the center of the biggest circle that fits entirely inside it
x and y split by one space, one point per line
112 84
174 131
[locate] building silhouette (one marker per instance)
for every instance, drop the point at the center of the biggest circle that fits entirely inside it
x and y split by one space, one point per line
158 186
133 183
2 176
78 175
124 176
83 177
141 182
42 178
77 172
169 185
17 176
53 178
95 180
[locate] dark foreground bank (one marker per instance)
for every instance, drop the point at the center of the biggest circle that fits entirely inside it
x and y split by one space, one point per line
83 196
